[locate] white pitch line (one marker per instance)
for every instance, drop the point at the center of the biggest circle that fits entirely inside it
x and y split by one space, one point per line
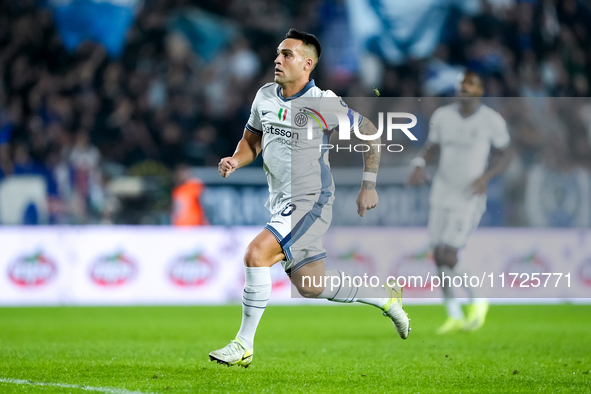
71 386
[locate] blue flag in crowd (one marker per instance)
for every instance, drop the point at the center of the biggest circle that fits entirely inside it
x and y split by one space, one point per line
102 21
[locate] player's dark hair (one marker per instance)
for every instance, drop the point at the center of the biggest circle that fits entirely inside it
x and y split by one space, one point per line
306 38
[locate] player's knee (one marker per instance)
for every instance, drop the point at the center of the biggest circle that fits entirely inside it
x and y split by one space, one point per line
445 256
437 256
254 256
450 257
310 291
307 286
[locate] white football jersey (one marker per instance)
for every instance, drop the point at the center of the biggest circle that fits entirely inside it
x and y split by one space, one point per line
294 164
465 146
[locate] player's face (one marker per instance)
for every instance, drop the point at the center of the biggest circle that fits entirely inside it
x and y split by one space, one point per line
471 86
291 63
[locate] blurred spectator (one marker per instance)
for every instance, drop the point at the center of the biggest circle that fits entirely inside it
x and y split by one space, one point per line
186 199
558 192
84 160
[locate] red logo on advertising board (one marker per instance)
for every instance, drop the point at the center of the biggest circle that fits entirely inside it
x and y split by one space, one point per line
530 264
417 268
585 272
113 270
32 271
278 279
353 262
191 270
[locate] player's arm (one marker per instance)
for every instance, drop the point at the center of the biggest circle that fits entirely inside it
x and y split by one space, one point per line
247 150
498 162
368 196
426 155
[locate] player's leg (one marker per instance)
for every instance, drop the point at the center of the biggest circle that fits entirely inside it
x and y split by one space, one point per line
312 281
305 267
459 225
478 307
446 258
309 280
262 253
463 223
439 219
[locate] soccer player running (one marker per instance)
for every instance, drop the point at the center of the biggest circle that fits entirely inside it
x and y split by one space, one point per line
301 193
465 133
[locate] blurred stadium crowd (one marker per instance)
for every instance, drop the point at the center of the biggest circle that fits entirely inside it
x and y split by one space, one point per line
181 94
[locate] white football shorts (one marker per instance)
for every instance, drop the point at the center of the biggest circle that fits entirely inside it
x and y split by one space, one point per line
453 226
298 225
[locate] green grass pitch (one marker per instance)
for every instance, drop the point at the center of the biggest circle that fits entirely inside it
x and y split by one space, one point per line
298 349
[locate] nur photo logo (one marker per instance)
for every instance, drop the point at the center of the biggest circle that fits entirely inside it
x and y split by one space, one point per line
321 116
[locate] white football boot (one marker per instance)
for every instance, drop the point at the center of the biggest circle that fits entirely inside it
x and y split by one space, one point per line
393 309
233 354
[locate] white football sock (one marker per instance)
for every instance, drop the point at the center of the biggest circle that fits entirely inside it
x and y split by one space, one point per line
347 292
473 292
257 289
460 269
452 305
454 308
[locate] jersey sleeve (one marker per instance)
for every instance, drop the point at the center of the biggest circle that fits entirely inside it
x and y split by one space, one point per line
500 134
254 120
332 105
435 128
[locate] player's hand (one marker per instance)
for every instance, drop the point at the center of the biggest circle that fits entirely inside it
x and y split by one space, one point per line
366 200
417 177
479 185
227 166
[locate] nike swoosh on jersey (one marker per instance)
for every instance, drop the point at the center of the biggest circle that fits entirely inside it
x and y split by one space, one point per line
265 112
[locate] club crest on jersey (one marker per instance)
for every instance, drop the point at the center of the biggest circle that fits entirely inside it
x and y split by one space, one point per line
282 114
300 119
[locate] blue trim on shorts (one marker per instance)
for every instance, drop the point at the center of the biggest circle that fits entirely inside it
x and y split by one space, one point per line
279 239
308 260
309 218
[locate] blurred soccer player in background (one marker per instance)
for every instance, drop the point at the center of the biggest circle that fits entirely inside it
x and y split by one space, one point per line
300 197
467 134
